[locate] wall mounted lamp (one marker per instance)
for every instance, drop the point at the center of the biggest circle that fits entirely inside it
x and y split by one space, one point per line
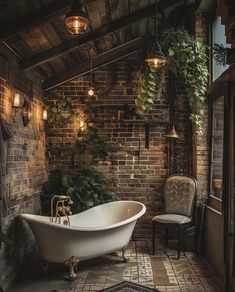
16 104
24 110
44 115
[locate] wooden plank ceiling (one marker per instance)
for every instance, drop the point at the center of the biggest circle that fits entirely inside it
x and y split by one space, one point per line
35 30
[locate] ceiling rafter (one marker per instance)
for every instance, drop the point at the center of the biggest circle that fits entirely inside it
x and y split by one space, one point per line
72 44
100 60
33 18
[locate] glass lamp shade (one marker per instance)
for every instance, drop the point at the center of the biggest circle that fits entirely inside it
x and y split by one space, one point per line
76 22
16 100
156 59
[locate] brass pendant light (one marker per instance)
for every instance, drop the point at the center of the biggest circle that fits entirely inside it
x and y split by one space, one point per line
76 21
172 133
156 59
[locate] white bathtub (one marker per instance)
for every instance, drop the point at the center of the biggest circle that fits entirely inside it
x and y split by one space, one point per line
97 231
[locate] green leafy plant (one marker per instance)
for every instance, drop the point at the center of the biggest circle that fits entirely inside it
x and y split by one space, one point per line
220 54
151 84
62 110
186 58
87 188
91 142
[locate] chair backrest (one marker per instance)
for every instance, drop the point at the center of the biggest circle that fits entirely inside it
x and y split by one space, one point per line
179 194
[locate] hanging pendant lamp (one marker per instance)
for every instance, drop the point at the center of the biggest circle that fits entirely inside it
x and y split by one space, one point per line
91 90
156 59
76 21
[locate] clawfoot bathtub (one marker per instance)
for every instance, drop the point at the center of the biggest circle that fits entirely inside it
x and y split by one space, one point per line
100 230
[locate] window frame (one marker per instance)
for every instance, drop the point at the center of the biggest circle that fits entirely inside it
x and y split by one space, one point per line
217 90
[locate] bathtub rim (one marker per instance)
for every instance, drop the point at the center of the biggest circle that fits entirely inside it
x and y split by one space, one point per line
30 218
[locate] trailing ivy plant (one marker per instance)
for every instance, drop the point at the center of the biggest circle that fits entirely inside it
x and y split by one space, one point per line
90 141
151 84
187 58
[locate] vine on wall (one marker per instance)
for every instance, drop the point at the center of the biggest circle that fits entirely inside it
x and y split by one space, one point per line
61 110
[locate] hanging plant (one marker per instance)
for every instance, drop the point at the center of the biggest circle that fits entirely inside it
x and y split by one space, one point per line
185 57
151 83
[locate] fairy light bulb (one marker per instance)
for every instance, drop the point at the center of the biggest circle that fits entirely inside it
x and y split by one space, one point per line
91 91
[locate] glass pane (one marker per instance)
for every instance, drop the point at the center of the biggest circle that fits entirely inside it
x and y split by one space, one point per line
217 147
218 36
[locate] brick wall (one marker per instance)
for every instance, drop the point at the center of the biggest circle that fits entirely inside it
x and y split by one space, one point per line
133 177
201 143
26 171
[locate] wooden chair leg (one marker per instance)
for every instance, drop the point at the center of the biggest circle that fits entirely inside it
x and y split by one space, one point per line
153 237
179 241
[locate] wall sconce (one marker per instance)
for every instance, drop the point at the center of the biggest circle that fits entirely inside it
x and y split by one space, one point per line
25 109
82 125
44 115
26 112
16 104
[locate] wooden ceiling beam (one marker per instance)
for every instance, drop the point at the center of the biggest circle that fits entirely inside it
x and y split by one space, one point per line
72 44
100 60
34 18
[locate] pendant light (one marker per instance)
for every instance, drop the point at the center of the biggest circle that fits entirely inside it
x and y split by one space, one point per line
172 93
156 59
76 21
91 90
172 133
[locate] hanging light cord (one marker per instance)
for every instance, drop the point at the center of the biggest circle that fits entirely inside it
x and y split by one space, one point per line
91 66
158 45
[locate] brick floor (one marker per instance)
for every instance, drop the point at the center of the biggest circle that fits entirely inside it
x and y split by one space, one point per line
161 271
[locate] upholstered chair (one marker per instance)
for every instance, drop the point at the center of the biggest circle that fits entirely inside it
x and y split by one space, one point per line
179 195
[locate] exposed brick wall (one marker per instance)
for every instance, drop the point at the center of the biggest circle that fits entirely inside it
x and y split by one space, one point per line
134 178
26 170
201 143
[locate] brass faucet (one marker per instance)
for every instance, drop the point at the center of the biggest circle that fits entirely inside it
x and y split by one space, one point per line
61 209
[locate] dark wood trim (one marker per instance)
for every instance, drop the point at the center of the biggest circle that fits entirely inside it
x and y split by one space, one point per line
32 19
231 56
103 59
214 210
72 44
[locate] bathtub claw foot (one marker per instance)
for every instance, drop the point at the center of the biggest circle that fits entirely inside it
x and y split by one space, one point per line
125 259
72 264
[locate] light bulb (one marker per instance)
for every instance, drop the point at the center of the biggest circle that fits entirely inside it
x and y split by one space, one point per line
91 91
44 115
16 101
155 62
